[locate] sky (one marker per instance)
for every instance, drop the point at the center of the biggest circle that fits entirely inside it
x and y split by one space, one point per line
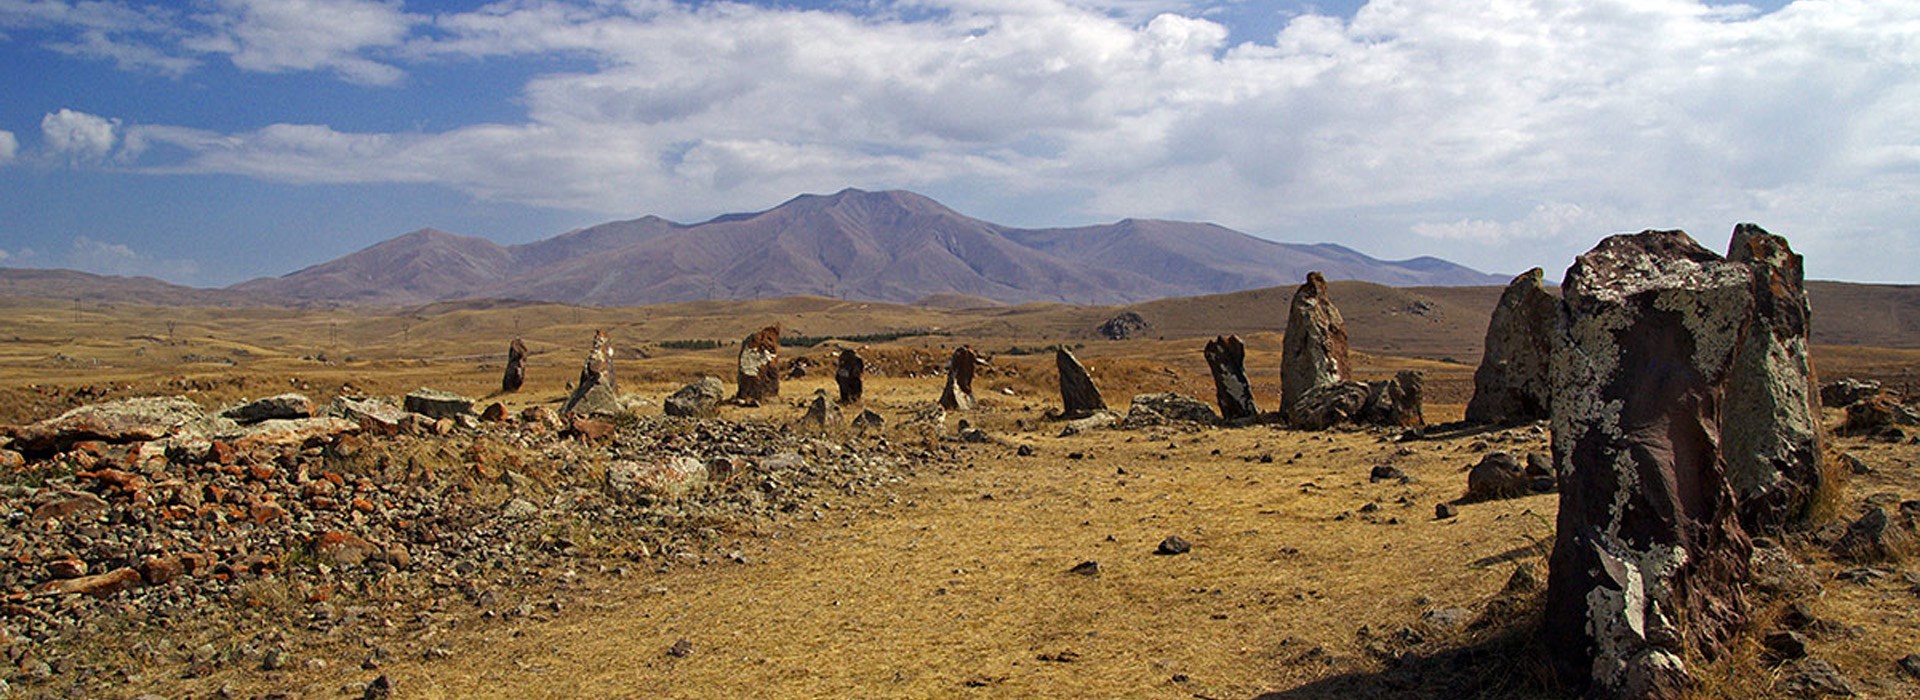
207 142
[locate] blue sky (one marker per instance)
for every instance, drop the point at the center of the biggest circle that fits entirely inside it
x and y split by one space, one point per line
211 141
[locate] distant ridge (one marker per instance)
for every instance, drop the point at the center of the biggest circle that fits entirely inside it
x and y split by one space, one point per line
894 246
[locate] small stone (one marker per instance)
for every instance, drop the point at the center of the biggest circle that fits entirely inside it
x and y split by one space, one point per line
1911 664
1024 451
681 649
1813 677
1383 472
1086 568
380 689
1786 645
1443 511
274 660
1173 545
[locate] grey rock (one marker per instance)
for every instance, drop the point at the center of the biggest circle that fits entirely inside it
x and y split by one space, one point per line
1160 409
1313 353
282 407
1497 475
700 399
1078 395
1771 424
436 404
1511 384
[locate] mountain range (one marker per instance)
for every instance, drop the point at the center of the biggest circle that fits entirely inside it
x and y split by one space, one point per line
893 246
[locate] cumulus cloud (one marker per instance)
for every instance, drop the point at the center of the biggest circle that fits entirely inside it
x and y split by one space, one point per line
9 146
78 135
1515 132
107 258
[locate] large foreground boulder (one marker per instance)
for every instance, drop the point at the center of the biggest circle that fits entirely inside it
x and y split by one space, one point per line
758 375
1771 426
596 393
1511 384
1078 396
1227 362
121 421
957 395
1313 353
1649 552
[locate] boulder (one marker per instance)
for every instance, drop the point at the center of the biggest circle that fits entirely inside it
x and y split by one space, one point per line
672 478
1770 423
850 373
1313 353
958 393
121 421
1227 361
435 403
372 415
1847 391
297 432
1127 325
868 421
1875 415
1510 386
1497 475
1329 405
822 412
758 375
97 585
516 374
1078 396
700 399
282 407
1397 402
1160 409
1648 551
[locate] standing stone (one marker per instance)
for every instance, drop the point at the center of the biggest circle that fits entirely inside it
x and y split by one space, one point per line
595 394
516 374
849 373
1314 352
759 374
1511 384
1771 427
958 394
1078 396
1648 553
822 412
1227 360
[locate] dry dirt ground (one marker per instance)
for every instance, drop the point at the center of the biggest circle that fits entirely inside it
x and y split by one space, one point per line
1306 578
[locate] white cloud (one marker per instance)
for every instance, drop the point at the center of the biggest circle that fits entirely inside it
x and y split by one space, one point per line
9 146
102 257
79 135
1516 132
275 36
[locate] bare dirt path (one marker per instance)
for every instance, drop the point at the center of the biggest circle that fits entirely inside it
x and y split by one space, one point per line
960 582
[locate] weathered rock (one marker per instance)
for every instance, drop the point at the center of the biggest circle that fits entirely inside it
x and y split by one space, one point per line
1078 396
540 416
286 433
1872 538
958 393
596 394
672 478
1398 402
1648 552
1770 423
372 415
1160 409
1847 391
68 506
700 399
822 412
1127 325
850 373
495 412
1099 419
1313 353
758 376
282 407
1511 384
341 548
97 585
435 403
1173 545
1227 361
1812 678
868 421
1443 511
516 374
1497 475
1875 415
1328 405
122 421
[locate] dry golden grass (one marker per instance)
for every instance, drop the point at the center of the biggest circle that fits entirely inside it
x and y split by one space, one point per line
954 583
